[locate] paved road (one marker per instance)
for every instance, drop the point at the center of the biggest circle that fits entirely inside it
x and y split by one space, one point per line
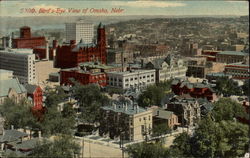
99 151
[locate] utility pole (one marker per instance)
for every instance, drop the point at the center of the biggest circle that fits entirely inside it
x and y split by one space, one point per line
121 144
82 147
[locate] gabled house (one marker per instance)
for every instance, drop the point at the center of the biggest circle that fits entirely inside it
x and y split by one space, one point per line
35 93
12 89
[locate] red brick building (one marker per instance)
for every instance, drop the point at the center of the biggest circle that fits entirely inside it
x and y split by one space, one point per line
38 44
195 90
83 76
26 40
36 94
70 55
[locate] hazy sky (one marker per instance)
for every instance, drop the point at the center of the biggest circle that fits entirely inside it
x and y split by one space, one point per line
24 7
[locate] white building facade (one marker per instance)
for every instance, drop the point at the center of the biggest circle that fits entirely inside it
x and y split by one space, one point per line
80 30
21 62
131 79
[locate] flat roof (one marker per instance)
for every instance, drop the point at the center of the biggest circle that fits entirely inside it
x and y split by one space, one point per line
132 72
233 53
4 71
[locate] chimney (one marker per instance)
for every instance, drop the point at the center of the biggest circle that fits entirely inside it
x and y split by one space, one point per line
126 106
114 105
137 108
55 44
39 134
10 42
72 42
47 50
142 63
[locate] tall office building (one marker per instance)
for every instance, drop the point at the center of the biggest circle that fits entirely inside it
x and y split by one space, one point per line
80 30
21 62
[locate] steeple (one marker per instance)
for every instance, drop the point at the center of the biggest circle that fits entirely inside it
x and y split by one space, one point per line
101 26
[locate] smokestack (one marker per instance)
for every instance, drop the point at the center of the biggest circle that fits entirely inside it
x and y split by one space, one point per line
47 50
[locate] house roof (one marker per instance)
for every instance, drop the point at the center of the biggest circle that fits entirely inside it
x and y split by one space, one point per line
160 113
6 85
28 144
11 135
30 88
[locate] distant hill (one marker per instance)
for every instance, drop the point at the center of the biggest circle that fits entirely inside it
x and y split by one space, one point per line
9 24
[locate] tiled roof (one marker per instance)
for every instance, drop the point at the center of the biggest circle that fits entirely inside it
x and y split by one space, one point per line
6 85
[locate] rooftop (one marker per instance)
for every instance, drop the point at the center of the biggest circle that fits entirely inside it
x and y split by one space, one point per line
5 71
132 72
233 53
125 107
95 65
11 135
6 85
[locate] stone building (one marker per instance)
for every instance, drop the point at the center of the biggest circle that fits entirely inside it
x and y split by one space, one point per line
187 110
168 68
125 119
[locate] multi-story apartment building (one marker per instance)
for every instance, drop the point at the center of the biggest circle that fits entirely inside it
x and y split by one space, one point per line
238 70
80 30
231 57
131 79
125 120
21 62
10 87
168 68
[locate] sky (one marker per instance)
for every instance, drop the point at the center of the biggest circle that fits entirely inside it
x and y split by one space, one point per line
125 7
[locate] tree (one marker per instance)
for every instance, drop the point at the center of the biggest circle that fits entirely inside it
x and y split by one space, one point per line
54 96
181 146
154 94
151 96
56 122
161 129
213 139
227 87
90 100
147 150
64 146
245 87
227 109
18 114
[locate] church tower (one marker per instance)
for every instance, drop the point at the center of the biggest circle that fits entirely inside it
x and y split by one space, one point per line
101 43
